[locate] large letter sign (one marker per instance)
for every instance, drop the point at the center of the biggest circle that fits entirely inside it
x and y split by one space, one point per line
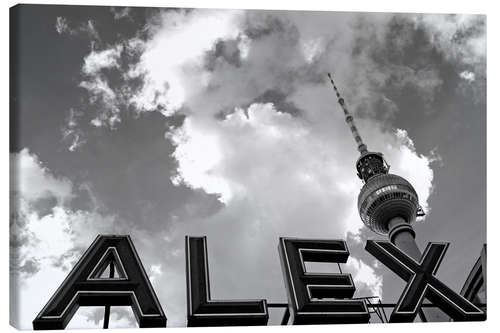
201 309
308 292
84 286
313 297
422 282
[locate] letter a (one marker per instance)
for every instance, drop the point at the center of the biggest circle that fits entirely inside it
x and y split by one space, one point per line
84 286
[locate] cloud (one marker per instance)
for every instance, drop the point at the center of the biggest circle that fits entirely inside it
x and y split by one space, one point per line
284 165
462 40
93 318
102 95
415 167
460 37
174 49
33 181
312 48
87 28
468 76
120 12
46 239
72 131
98 60
368 283
61 25
278 52
90 28
97 85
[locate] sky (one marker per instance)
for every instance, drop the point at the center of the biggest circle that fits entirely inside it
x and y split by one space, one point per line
163 122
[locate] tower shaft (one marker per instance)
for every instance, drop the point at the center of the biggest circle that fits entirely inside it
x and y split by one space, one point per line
402 235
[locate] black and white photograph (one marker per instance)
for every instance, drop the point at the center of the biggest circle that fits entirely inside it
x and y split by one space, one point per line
181 167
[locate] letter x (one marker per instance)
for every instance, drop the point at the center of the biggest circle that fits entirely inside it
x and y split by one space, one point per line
422 282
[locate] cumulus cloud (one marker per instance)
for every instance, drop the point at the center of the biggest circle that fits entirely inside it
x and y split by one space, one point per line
46 236
415 167
33 181
462 40
459 37
174 49
280 52
264 156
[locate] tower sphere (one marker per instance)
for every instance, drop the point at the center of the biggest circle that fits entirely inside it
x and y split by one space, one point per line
384 197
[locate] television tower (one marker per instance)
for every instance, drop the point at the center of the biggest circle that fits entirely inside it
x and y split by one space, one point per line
387 203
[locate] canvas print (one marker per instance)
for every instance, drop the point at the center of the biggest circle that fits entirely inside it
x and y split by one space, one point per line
176 167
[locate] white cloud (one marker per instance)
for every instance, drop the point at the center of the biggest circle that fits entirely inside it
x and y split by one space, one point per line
176 47
97 85
416 168
281 164
468 76
312 48
460 37
98 60
72 131
155 272
100 92
88 28
278 52
43 246
462 41
364 277
120 12
33 181
61 25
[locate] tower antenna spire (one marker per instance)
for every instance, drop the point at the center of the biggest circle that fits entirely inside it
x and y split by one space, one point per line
362 148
